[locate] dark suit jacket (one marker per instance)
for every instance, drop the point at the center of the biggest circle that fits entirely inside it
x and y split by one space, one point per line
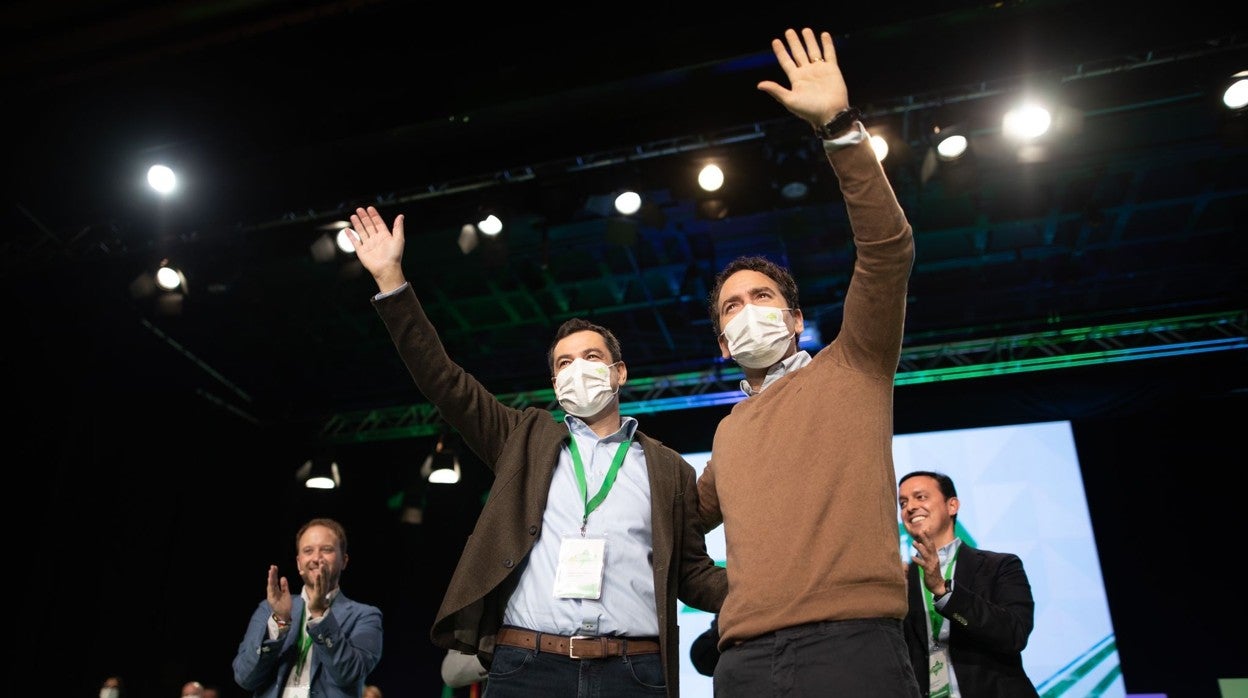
991 614
346 645
522 447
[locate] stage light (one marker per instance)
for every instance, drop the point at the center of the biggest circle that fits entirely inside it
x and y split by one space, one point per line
711 177
951 143
319 473
794 167
1236 94
344 243
628 203
467 238
490 225
162 179
170 278
1026 122
442 465
879 144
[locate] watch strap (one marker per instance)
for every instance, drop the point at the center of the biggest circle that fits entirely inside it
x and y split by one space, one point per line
839 124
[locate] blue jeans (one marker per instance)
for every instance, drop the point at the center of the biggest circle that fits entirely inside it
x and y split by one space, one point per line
520 673
864 658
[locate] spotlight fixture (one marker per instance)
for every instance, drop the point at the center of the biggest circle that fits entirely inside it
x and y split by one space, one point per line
1236 94
951 143
1026 122
711 177
319 473
162 179
442 466
879 144
170 278
467 238
343 242
490 225
628 203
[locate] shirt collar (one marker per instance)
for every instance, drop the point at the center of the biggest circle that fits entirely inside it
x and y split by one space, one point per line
792 363
947 550
329 598
628 428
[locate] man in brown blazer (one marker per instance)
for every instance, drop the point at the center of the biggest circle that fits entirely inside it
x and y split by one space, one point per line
591 530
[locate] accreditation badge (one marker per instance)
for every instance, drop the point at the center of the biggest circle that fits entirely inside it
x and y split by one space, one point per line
938 673
581 564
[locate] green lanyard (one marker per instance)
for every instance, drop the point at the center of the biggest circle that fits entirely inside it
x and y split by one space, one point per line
591 504
937 619
305 641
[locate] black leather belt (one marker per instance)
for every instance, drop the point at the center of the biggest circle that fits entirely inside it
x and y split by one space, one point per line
577 646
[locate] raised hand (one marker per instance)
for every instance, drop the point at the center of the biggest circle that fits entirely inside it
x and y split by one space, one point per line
378 248
817 89
316 583
928 556
277 591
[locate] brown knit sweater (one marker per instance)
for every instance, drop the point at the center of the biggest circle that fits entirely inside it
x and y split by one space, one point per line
801 475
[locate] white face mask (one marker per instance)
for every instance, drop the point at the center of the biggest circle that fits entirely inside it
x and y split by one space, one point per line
583 388
758 336
110 692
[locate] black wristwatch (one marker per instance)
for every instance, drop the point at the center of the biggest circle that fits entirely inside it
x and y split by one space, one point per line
948 587
839 124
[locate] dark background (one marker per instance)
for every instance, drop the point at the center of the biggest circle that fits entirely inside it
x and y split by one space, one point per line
155 445
145 548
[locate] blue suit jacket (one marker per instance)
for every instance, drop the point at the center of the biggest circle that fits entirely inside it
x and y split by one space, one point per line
346 646
991 614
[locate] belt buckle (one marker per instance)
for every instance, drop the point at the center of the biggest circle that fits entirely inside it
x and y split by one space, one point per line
572 643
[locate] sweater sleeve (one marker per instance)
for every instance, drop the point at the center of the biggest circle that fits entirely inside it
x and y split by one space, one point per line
875 303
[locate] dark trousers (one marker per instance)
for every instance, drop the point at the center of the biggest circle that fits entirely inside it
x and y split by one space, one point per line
864 658
520 673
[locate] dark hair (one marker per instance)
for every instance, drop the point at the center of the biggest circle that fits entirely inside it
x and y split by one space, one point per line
780 275
575 325
332 525
942 480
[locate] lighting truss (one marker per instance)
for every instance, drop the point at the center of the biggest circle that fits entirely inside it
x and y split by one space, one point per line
980 358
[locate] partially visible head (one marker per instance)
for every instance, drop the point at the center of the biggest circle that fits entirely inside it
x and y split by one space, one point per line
194 689
927 496
111 688
371 692
322 543
730 294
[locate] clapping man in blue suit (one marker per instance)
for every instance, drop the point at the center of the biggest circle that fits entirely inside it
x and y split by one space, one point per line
319 643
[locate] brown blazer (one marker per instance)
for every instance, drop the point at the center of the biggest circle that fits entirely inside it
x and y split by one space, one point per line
522 447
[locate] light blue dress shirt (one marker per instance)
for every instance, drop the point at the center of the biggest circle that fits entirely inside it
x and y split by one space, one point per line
627 605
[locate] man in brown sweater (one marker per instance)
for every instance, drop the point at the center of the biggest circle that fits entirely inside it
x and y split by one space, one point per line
801 471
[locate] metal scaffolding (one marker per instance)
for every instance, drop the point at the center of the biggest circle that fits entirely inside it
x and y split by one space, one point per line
977 358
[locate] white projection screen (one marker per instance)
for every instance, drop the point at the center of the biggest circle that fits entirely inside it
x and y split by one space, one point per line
1021 492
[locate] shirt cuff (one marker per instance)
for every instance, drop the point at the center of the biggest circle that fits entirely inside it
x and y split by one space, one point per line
854 136
387 294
